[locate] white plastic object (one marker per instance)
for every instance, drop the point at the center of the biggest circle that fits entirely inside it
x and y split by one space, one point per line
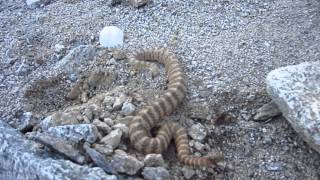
111 36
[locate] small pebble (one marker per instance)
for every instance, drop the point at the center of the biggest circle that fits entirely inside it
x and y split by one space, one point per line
128 108
198 132
274 166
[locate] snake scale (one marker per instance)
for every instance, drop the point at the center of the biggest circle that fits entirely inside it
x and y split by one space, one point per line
148 117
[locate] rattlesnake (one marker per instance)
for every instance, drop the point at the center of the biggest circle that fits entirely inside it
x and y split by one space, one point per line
150 116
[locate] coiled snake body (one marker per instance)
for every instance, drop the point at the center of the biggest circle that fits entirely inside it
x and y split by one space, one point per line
148 117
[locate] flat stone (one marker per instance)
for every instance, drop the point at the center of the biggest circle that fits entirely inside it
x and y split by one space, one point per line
61 146
75 133
24 159
156 173
57 119
295 89
76 59
124 163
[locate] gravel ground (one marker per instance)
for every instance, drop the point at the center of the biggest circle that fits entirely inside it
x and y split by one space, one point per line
226 47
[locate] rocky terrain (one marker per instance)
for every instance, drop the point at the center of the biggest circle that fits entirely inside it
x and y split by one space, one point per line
71 99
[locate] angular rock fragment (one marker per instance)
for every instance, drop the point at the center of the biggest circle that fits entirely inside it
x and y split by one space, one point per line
295 89
99 159
75 133
63 147
267 111
75 60
103 148
113 139
124 163
22 159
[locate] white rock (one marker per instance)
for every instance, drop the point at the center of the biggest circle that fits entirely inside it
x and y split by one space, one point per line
58 48
76 59
103 148
128 108
111 36
295 90
57 119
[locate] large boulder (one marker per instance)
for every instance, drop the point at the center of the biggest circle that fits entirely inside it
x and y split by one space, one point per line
24 159
296 91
